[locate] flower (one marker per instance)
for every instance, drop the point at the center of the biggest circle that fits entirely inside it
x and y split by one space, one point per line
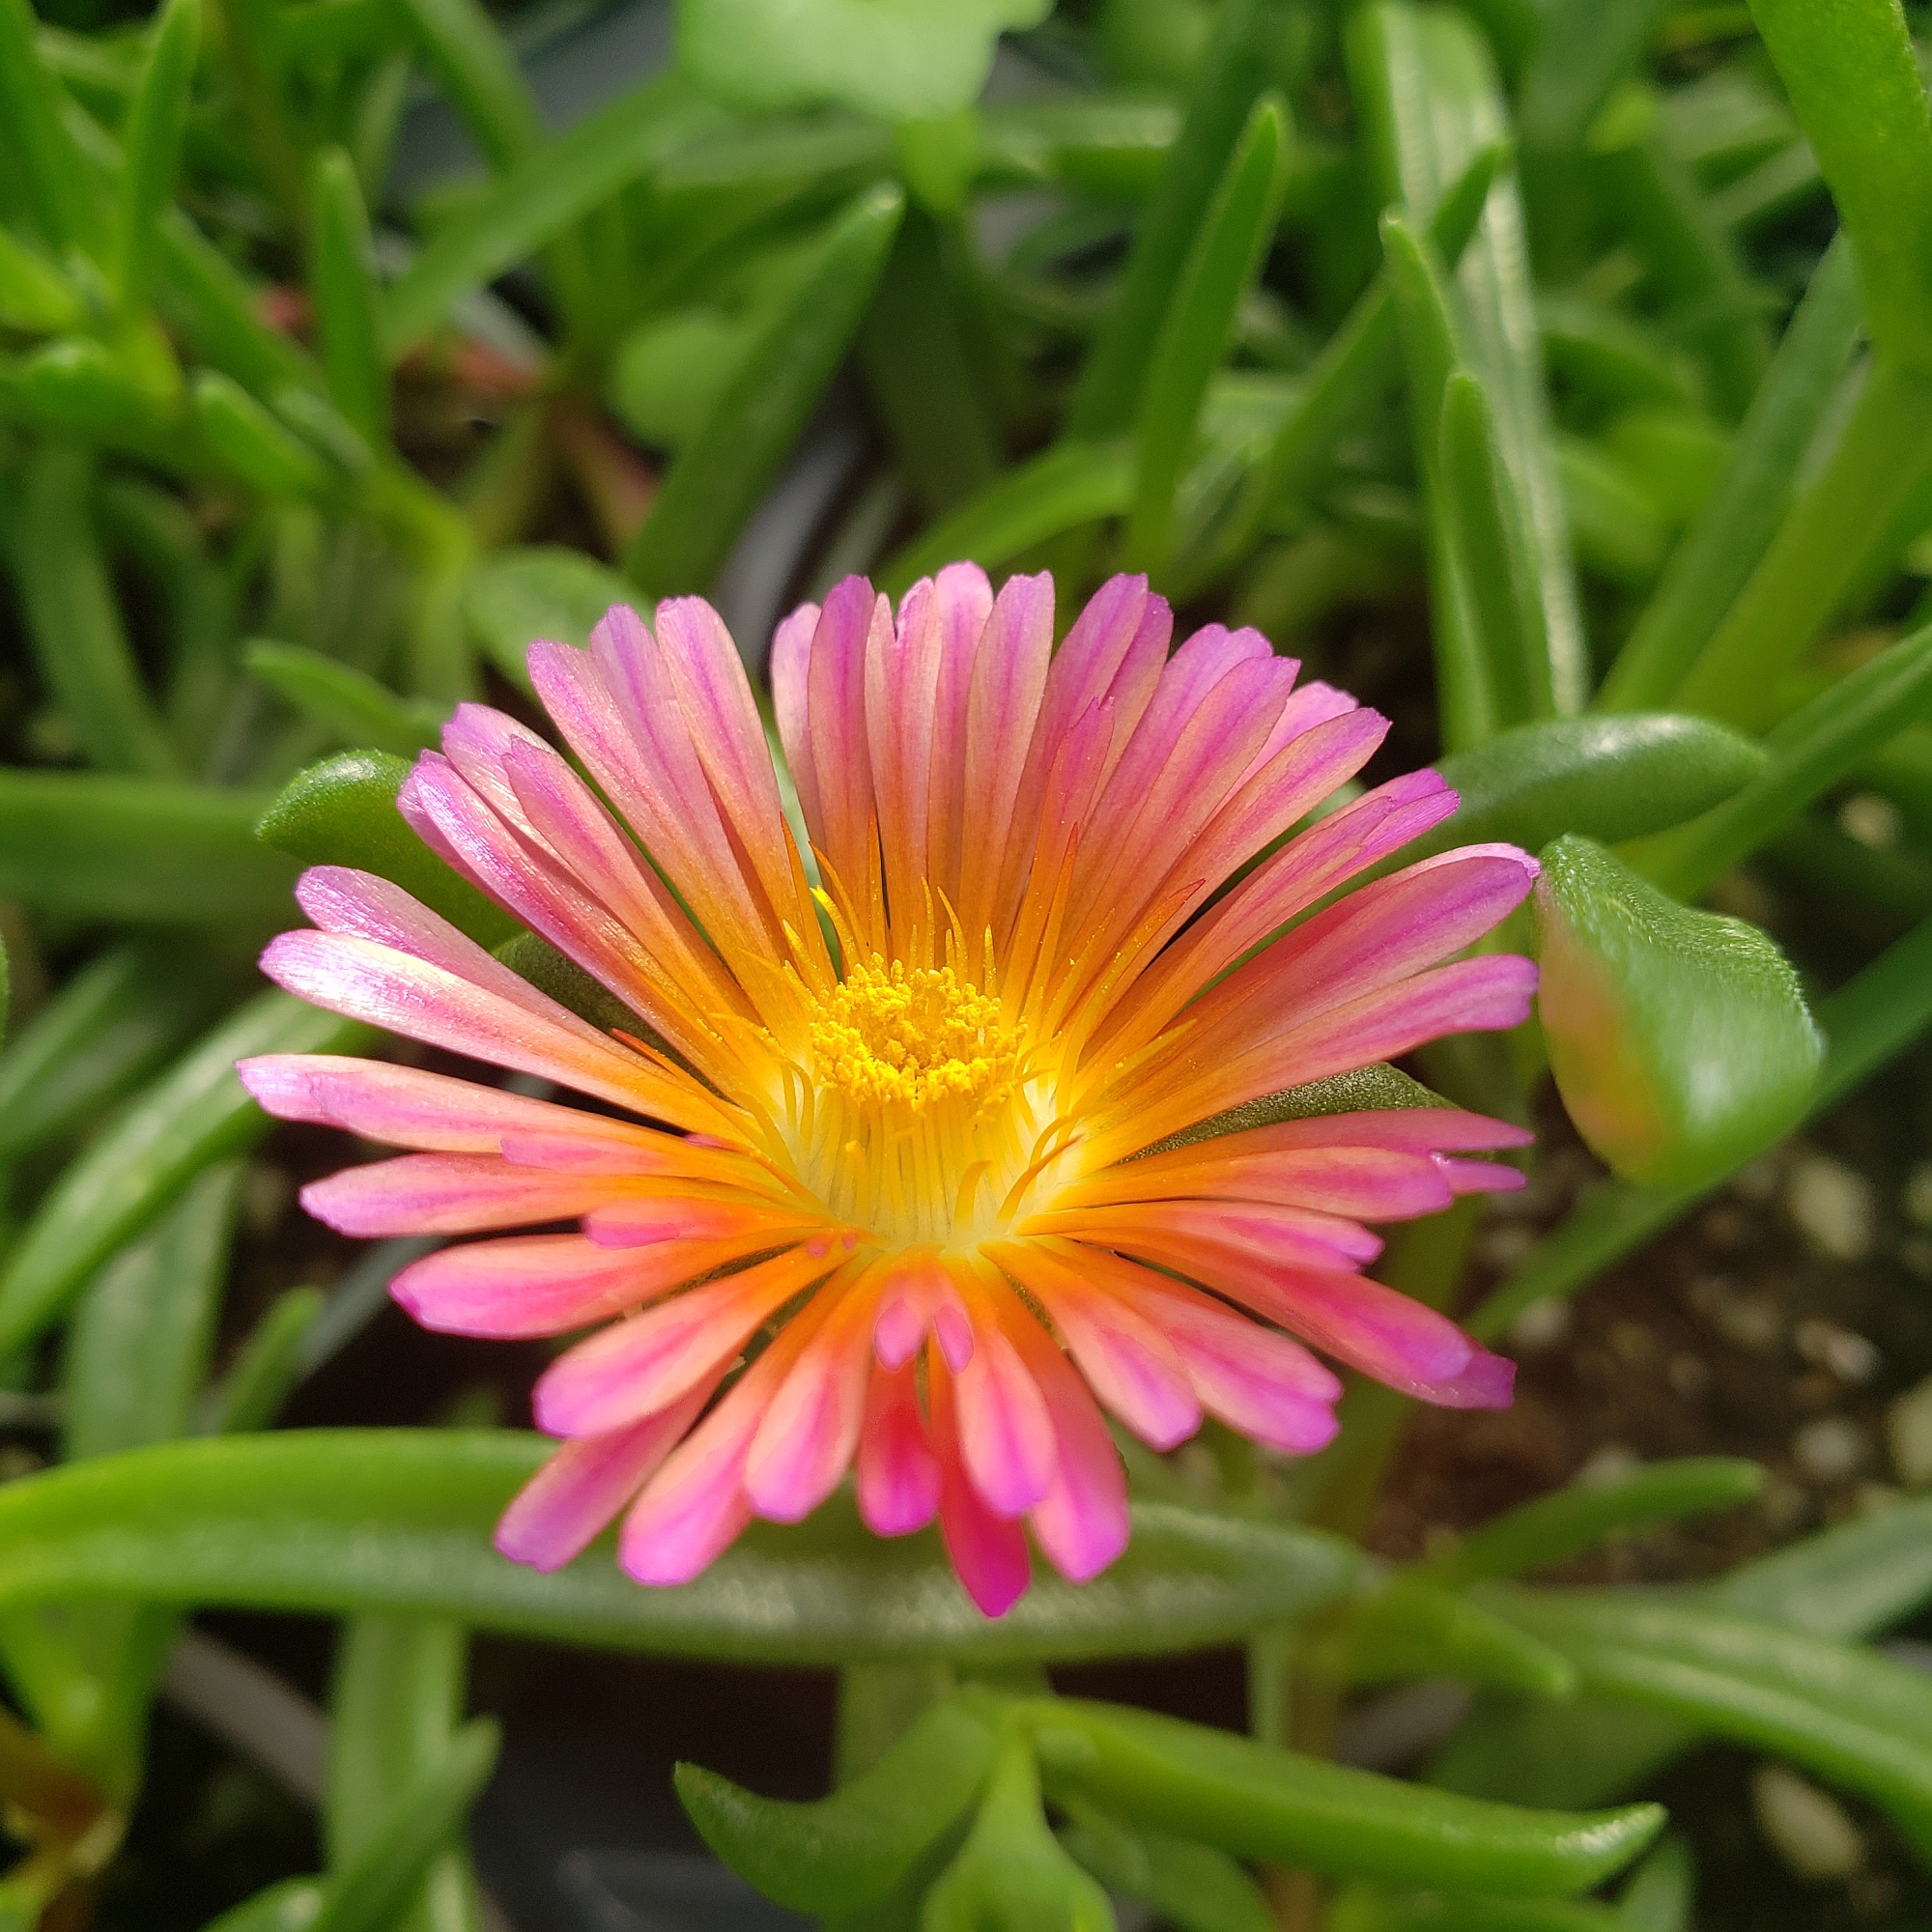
926 1125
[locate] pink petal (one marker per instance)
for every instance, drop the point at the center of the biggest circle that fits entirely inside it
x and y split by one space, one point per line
1006 1435
1187 1235
811 1430
1481 1177
962 601
444 1194
1252 1378
902 666
695 1507
640 1221
1310 865
544 1284
557 1513
1112 655
1081 1522
1368 1182
919 1297
1127 1359
640 1365
1384 1333
407 1107
391 990
1009 680
836 720
1472 995
722 716
988 1552
899 1472
790 668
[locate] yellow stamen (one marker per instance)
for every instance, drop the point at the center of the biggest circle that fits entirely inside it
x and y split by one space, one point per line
896 1036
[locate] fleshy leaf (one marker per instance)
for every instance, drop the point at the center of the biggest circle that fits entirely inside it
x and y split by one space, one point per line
1258 1802
852 1848
902 60
1680 1040
343 812
345 1521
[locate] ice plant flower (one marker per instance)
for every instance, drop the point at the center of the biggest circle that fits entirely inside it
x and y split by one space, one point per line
921 1128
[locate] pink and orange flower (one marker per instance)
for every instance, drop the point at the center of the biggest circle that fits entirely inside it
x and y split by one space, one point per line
921 1128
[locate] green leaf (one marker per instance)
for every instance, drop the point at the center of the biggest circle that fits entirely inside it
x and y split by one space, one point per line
1660 1894
1612 778
1430 1914
348 303
1852 75
1012 1874
1412 1627
1693 262
1867 1022
193 1115
1199 318
1834 534
79 388
671 371
1486 527
108 1027
358 708
479 74
518 595
94 847
1199 1888
1811 751
1236 66
1679 1039
1063 488
1428 96
56 187
1467 700
35 296
536 199
289 1905
73 620
1714 560
1611 357
369 1891
394 1712
1365 1090
152 147
1847 1713
251 444
1849 1582
716 482
343 812
1256 1803
914 349
137 1351
1569 1521
1360 361
343 1522
141 1335
851 1849
905 60
267 1365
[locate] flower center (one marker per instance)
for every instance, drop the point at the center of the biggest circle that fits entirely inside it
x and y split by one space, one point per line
913 1037
920 1110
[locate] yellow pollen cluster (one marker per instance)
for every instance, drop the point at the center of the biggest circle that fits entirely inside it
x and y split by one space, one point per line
910 1037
